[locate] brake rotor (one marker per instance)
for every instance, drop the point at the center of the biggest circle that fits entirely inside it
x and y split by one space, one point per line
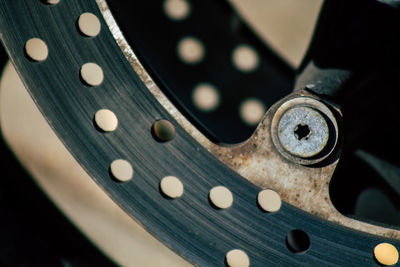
103 101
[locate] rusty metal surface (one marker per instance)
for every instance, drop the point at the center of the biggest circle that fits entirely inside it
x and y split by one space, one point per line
69 108
307 188
257 159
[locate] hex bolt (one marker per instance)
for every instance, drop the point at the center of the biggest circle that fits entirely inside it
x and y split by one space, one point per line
303 131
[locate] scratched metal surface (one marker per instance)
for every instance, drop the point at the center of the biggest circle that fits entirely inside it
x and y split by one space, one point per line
189 225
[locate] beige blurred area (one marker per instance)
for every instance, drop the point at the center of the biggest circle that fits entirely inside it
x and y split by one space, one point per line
286 25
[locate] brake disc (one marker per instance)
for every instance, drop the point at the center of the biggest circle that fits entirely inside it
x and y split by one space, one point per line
102 99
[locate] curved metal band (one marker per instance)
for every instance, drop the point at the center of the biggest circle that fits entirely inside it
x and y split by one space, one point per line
189 225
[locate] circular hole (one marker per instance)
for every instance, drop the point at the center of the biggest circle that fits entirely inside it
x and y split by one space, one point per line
191 50
171 187
51 2
163 131
106 120
221 197
121 170
269 200
36 49
206 97
89 25
386 254
177 9
237 258
297 241
245 58
91 74
251 111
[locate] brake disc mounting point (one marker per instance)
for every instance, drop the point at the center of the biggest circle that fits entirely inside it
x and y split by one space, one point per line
304 130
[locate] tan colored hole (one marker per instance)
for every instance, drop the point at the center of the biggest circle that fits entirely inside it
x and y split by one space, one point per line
177 9
245 58
89 24
191 50
106 120
51 2
206 97
163 130
92 74
221 197
36 49
237 258
386 254
269 200
251 111
121 170
171 187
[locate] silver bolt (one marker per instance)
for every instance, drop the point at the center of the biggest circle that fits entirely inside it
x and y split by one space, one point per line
303 131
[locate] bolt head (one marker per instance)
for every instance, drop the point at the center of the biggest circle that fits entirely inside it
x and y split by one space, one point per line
303 131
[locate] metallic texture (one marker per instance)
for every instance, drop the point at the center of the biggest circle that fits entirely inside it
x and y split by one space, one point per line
261 164
189 225
303 132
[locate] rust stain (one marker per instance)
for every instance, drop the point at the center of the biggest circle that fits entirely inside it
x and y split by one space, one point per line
307 188
257 159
